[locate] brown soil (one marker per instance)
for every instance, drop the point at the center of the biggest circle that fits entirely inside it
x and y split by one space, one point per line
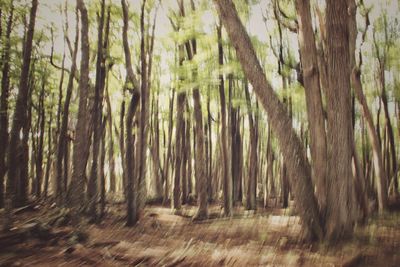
266 238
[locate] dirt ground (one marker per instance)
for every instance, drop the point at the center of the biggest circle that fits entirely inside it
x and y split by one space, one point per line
265 238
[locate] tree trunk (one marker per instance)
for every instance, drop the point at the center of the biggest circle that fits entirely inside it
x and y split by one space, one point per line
169 147
20 112
311 78
226 177
111 160
141 143
251 202
298 167
184 178
180 106
381 180
97 117
39 156
49 157
5 91
131 83
62 145
340 197
200 174
102 179
80 144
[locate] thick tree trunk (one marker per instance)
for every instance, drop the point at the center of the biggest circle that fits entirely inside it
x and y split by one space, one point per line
340 197
293 152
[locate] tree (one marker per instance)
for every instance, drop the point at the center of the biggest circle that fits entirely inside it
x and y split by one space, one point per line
292 149
226 175
131 83
97 117
5 88
309 62
201 181
20 116
62 147
340 197
80 146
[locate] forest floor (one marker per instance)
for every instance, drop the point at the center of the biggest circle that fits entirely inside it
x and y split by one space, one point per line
269 237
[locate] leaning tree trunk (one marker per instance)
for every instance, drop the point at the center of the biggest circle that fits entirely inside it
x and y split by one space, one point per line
292 149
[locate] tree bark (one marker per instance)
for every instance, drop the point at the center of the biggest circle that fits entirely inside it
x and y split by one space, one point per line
62 145
20 114
340 197
180 105
298 167
5 91
49 157
80 144
381 180
111 160
97 117
39 156
311 78
251 201
142 140
226 177
131 83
